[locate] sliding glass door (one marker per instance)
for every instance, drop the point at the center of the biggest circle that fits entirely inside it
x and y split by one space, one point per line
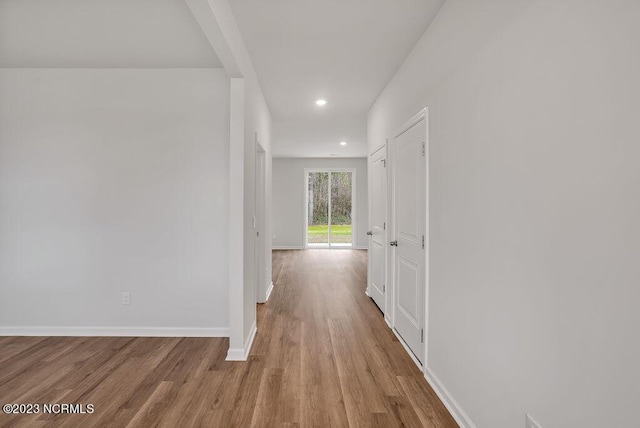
329 208
318 209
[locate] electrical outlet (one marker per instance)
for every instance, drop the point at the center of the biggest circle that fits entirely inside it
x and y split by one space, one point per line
126 298
531 423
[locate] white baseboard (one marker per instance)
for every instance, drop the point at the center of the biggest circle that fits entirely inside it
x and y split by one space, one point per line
269 290
285 247
459 415
447 399
236 354
388 321
116 331
361 248
407 349
268 293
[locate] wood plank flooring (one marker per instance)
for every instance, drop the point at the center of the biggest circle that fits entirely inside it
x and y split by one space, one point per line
323 357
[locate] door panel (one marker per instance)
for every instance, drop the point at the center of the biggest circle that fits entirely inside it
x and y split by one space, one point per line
378 239
409 229
408 218
409 277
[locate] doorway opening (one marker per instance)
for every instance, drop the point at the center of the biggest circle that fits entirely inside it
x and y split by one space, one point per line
330 208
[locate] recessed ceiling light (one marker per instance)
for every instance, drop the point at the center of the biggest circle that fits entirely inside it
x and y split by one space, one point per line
321 102
343 143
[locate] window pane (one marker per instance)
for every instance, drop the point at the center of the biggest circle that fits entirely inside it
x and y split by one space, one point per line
341 225
318 209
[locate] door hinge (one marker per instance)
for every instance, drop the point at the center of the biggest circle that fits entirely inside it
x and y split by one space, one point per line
384 163
422 335
257 233
423 148
384 226
423 242
384 288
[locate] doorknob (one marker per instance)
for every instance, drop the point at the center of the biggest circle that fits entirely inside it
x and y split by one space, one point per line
393 243
369 233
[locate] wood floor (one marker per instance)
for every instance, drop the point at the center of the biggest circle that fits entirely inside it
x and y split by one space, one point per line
323 357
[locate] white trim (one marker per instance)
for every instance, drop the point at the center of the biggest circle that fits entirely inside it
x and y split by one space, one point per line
116 331
361 247
388 321
427 235
236 354
422 114
409 351
259 226
305 201
236 213
381 146
447 399
269 290
385 306
288 247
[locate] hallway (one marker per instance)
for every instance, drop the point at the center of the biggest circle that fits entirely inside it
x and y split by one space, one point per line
327 354
323 357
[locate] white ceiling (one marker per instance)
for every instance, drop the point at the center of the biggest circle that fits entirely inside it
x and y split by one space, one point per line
344 51
102 34
317 137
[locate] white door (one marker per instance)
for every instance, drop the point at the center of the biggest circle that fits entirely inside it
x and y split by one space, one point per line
378 232
409 230
259 226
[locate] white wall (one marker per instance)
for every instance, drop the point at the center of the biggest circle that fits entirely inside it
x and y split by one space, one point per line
250 118
257 124
289 198
114 180
534 203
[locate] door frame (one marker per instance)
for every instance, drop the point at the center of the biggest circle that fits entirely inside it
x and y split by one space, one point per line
353 205
391 192
259 226
385 148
